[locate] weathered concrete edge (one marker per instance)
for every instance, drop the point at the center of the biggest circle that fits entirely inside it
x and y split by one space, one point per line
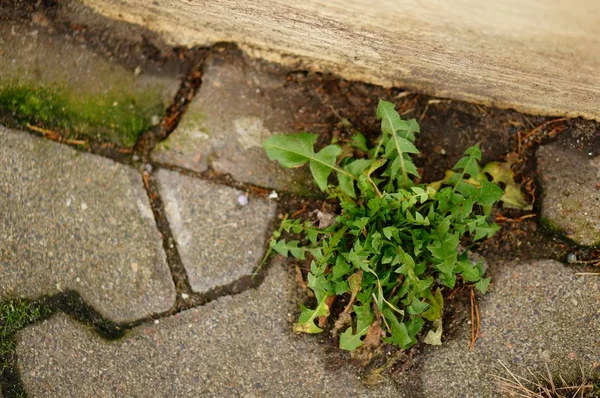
532 103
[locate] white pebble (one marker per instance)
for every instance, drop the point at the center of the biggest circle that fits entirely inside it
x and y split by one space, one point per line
242 200
273 195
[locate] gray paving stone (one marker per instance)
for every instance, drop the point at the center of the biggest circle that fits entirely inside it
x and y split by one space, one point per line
58 82
76 221
535 313
238 106
219 240
571 192
240 346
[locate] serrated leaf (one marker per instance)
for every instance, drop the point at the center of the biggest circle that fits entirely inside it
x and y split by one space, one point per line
405 145
296 150
489 193
359 141
417 307
350 341
483 284
354 168
390 119
434 336
437 305
285 248
341 268
322 163
501 172
389 232
307 317
347 185
469 272
290 150
399 331
486 231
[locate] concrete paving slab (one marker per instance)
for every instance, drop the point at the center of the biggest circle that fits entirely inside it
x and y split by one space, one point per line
75 221
238 106
219 239
571 192
535 313
57 82
237 346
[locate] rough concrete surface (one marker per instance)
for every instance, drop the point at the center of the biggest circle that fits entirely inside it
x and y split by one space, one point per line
219 239
238 106
534 56
236 346
534 313
76 221
101 98
571 192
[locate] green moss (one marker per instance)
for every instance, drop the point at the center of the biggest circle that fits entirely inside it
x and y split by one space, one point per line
15 315
111 116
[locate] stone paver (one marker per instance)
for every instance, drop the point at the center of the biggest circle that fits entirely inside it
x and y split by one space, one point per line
571 192
240 346
56 81
72 220
237 108
219 240
535 313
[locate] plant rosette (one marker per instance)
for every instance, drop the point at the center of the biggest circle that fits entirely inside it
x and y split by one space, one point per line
393 248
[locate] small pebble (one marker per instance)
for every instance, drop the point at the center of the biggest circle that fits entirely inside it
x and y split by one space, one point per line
273 195
185 296
156 321
242 200
571 258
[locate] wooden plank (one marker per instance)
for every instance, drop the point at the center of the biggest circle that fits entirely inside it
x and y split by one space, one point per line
539 57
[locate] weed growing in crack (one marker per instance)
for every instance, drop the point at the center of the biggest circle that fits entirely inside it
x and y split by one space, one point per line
393 247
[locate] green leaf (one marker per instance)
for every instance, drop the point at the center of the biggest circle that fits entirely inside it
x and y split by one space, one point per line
359 141
323 163
502 173
483 284
434 336
406 146
393 240
417 307
296 150
469 272
284 248
437 305
390 119
400 335
341 268
307 317
350 341
486 231
290 150
364 318
489 193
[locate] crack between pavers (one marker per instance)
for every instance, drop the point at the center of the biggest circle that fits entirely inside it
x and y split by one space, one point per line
186 297
73 305
190 85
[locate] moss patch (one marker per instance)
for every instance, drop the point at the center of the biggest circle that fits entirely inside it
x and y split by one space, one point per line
109 116
15 315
